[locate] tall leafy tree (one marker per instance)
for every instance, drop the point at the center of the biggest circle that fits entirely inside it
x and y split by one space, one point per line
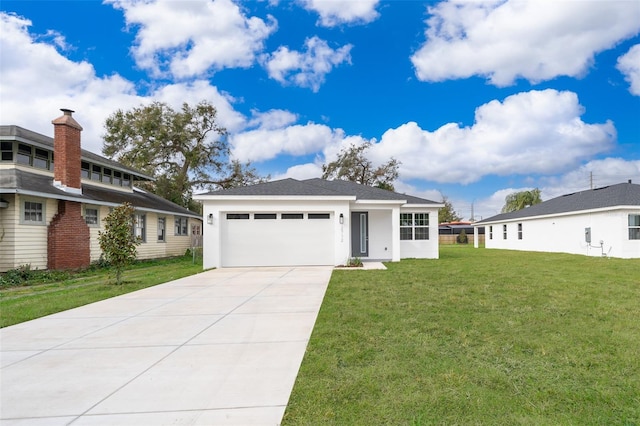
184 150
353 165
519 200
117 242
447 214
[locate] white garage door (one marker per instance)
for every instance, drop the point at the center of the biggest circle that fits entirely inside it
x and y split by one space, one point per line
277 239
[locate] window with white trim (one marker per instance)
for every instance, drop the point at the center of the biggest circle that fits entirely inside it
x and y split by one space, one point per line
519 231
140 226
491 232
634 226
504 232
162 224
33 213
414 226
91 216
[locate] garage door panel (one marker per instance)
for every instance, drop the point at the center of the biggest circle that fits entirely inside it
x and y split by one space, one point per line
279 242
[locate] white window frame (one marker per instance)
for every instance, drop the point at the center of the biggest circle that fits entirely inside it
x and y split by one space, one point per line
411 223
23 208
162 230
634 228
504 232
520 231
97 209
491 232
140 226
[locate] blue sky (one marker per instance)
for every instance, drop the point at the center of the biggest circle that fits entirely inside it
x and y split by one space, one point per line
475 99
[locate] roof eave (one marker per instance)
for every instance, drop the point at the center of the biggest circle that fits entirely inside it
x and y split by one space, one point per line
562 214
213 197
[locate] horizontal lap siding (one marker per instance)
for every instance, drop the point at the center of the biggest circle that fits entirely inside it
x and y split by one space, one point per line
31 240
8 223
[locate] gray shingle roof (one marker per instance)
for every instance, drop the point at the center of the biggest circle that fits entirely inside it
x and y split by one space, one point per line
319 187
20 181
622 194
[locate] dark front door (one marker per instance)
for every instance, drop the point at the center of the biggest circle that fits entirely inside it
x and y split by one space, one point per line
359 234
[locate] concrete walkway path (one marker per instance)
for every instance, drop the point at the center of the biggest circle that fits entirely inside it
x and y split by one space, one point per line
221 347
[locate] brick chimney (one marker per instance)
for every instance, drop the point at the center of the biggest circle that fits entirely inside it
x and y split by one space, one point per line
68 237
67 153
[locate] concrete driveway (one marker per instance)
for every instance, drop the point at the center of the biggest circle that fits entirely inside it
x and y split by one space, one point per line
220 347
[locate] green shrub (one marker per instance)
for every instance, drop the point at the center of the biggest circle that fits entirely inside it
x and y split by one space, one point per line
462 237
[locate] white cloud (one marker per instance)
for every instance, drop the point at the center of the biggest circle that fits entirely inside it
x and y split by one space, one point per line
523 134
629 65
301 172
334 12
596 173
33 69
272 119
265 144
531 39
192 38
307 68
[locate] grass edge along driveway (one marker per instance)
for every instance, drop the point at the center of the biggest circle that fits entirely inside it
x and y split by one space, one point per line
476 337
24 303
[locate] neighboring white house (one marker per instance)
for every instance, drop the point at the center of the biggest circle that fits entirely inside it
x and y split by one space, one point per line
597 222
315 222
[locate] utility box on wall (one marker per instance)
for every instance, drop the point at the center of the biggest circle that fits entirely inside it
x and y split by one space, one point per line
587 235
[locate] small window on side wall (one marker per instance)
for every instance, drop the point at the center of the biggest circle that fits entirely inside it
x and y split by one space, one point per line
91 216
181 226
634 226
33 213
161 229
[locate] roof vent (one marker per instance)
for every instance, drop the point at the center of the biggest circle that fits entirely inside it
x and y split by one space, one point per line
629 180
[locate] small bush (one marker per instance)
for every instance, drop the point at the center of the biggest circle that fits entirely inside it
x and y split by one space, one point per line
462 238
354 262
24 275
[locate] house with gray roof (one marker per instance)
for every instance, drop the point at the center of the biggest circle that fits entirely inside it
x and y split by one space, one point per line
596 222
315 222
54 195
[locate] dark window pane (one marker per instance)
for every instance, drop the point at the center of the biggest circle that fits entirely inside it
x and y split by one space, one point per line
319 216
264 216
422 233
292 216
234 216
406 233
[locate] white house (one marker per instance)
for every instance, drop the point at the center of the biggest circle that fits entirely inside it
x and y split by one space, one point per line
315 222
597 222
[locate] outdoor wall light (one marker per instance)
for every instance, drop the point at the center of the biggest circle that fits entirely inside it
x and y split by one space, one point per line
341 218
210 219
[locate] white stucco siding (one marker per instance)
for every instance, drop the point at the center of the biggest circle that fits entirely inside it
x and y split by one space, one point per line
380 235
422 249
566 234
282 241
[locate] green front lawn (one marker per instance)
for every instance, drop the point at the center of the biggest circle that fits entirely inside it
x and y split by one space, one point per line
37 299
479 336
